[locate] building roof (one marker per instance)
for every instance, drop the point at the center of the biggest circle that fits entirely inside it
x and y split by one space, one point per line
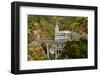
64 32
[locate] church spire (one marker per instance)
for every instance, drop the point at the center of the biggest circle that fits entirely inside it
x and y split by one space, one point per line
56 27
57 24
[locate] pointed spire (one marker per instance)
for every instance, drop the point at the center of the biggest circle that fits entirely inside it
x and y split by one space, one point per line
56 24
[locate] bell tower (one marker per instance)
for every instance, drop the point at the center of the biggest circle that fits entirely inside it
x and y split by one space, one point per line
56 28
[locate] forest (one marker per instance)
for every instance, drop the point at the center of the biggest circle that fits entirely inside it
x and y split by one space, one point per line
43 27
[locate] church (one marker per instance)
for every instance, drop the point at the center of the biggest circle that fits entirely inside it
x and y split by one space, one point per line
61 35
60 38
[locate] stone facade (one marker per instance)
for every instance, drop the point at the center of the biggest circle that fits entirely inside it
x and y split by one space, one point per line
61 35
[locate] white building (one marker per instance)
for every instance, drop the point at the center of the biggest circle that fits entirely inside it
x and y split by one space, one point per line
58 46
61 35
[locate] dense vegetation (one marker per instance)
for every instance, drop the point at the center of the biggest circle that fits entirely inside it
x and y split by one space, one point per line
75 49
43 27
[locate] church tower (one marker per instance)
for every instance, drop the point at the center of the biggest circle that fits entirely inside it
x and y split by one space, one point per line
56 28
